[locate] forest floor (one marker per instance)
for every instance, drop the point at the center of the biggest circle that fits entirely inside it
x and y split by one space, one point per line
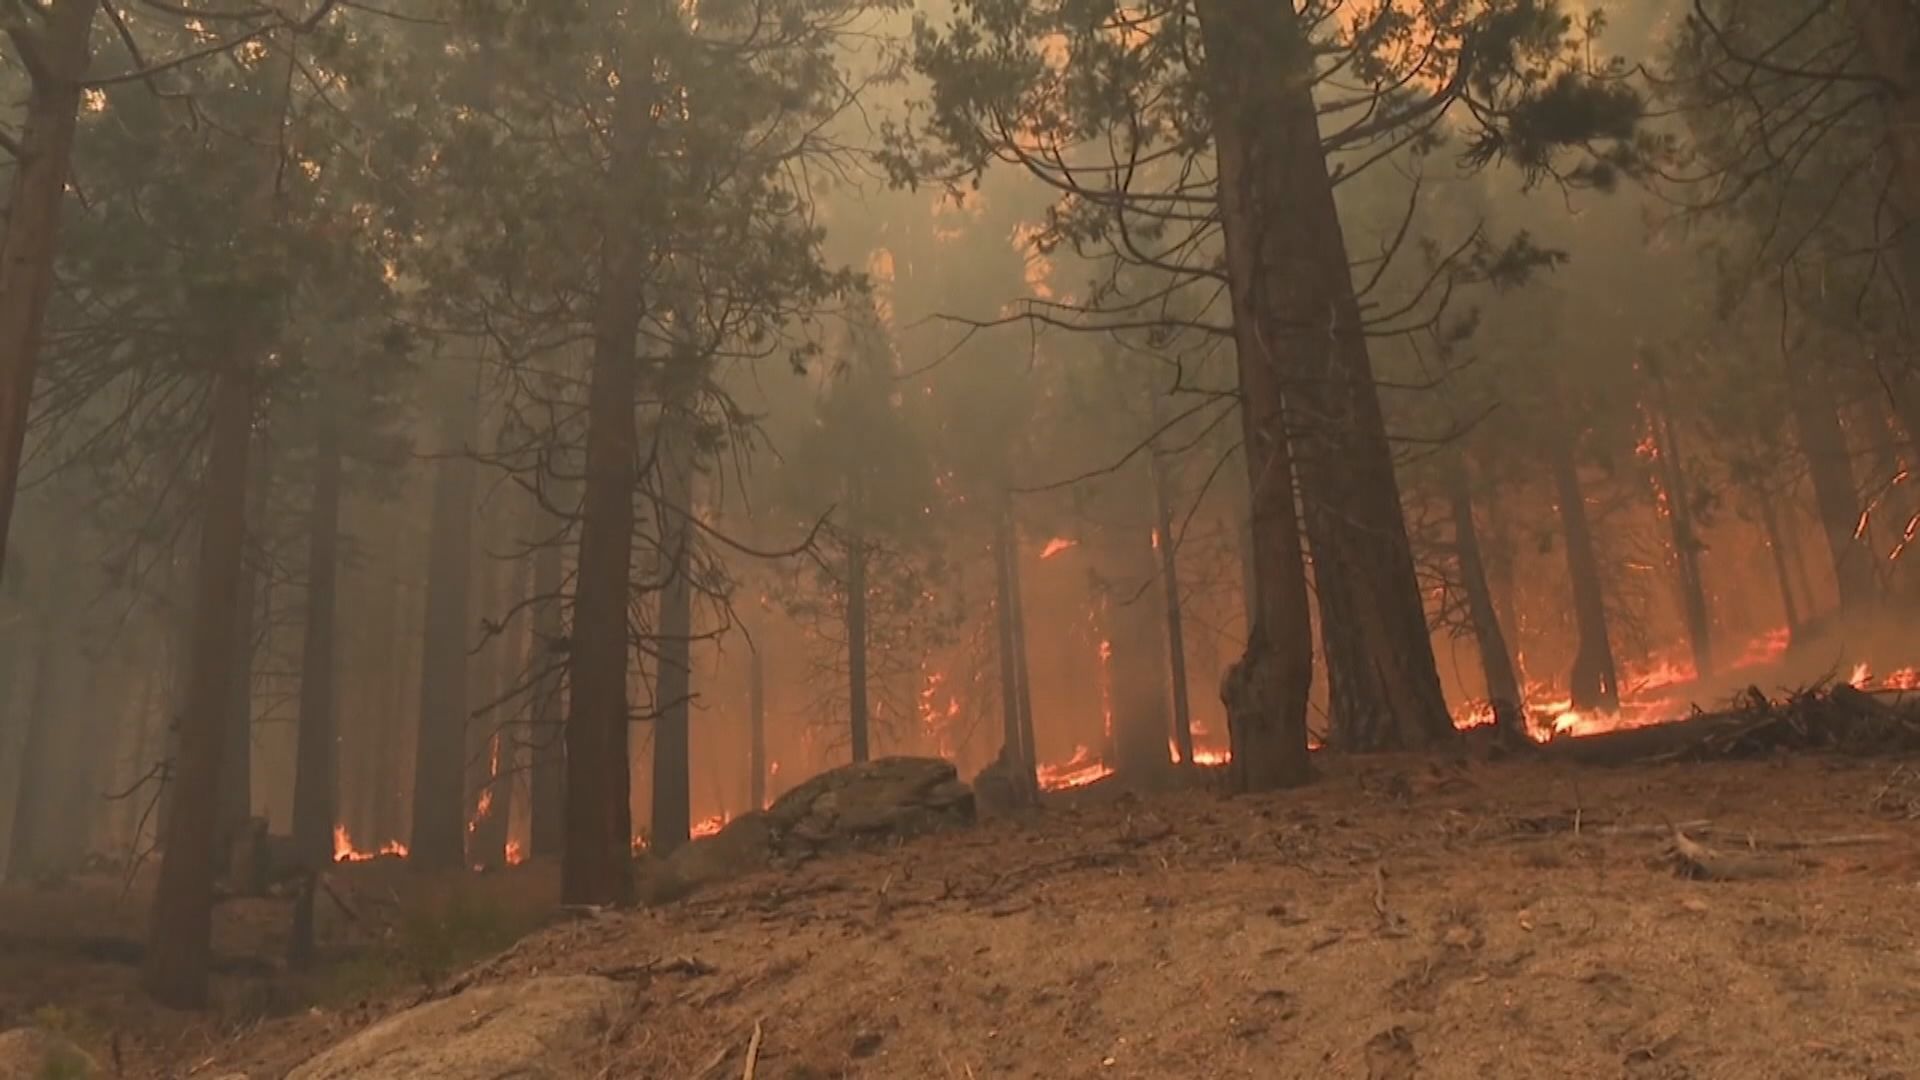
1400 918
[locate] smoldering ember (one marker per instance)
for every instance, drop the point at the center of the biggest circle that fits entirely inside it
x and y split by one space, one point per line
959 539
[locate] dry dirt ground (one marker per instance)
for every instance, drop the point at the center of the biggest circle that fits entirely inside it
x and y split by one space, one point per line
1402 918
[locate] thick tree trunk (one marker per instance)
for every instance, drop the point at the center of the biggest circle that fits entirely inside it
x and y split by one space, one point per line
30 794
1266 690
57 50
857 708
439 837
1595 681
179 942
1170 596
1496 662
548 734
1288 261
314 787
596 867
1817 421
672 782
1679 511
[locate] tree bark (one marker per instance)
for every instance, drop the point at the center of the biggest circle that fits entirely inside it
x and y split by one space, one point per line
1266 690
1496 662
57 51
314 785
1679 508
1024 693
672 781
179 943
1595 680
236 771
1170 596
548 734
1294 289
1816 419
596 867
439 836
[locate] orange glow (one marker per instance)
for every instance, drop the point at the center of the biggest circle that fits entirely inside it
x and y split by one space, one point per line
1078 771
515 854
1057 545
710 827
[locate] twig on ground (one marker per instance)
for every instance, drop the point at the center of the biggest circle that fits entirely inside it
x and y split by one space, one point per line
753 1053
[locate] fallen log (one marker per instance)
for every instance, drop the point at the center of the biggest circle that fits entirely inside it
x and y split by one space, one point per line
1835 718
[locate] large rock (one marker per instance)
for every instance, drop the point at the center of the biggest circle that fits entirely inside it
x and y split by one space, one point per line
875 800
540 1029
33 1054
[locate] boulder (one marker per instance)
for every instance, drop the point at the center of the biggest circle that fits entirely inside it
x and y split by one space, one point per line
538 1029
874 800
33 1054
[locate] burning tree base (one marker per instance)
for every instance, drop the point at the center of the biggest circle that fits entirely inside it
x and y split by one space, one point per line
1833 718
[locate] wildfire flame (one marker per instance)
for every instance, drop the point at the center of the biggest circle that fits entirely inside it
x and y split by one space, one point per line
515 853
345 852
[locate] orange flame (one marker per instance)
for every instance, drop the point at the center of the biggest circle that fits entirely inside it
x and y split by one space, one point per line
515 853
1057 545
345 852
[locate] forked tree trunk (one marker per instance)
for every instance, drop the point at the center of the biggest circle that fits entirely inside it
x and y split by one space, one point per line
1170 596
439 837
1686 540
596 867
56 49
314 787
1496 662
179 941
548 733
1595 681
672 781
1288 260
1816 419
1266 690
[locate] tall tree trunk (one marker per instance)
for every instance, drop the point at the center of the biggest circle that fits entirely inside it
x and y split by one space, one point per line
1496 663
548 734
1170 595
1016 753
439 838
1266 690
596 867
1025 694
236 768
1137 669
1816 418
314 783
179 943
30 794
56 50
1776 547
1595 680
672 782
1686 540
756 726
857 708
1278 211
